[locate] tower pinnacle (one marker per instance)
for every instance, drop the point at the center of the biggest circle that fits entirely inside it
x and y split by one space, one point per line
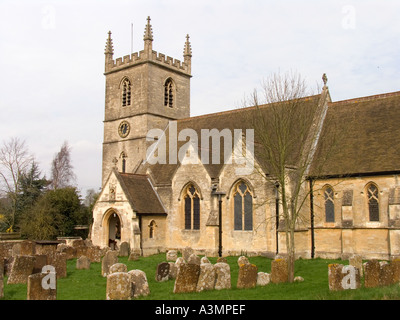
148 32
187 51
109 46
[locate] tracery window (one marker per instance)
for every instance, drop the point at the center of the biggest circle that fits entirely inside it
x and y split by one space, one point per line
126 92
373 202
169 93
329 205
192 208
243 207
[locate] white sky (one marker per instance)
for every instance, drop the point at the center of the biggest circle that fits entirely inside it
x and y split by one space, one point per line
52 59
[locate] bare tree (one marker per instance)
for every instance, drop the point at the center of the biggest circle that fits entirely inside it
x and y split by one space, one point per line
287 122
62 174
15 160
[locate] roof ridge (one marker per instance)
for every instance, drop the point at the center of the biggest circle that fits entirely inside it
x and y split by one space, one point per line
368 98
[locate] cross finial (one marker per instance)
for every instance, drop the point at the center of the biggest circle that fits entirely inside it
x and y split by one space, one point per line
324 79
187 51
109 45
148 32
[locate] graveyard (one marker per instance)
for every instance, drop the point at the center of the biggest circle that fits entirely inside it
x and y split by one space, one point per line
90 275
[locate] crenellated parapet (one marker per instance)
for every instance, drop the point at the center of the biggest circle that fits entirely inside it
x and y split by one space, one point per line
148 55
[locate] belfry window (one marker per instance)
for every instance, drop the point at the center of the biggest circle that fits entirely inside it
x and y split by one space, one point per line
243 207
192 208
329 205
126 92
169 93
373 202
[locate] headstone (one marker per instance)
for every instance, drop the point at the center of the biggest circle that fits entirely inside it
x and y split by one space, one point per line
118 267
342 277
68 250
356 261
124 249
173 270
204 260
172 255
243 260
371 273
206 277
139 280
83 263
279 271
396 270
134 255
178 263
263 278
186 253
187 278
222 259
21 269
39 289
162 273
110 258
94 253
247 277
193 259
223 276
59 261
41 261
386 275
119 286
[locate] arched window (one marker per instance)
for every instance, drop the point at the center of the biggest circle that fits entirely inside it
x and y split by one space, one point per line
169 93
329 205
126 92
152 227
192 208
123 157
243 207
373 202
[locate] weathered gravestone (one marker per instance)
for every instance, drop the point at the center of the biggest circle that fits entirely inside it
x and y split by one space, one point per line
118 267
342 277
356 261
371 273
134 255
386 274
242 260
279 271
186 253
22 268
207 277
193 259
68 250
263 278
94 253
59 261
172 255
173 270
41 261
187 278
247 277
110 258
119 286
124 249
83 263
396 270
223 276
42 286
139 280
162 273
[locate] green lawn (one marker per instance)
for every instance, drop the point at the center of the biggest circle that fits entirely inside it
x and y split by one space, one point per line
90 285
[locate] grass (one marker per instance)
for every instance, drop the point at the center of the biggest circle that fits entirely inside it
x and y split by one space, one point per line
90 285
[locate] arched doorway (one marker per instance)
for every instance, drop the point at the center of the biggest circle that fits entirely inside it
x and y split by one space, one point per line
114 231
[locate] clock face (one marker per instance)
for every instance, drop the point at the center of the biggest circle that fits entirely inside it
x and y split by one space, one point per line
123 129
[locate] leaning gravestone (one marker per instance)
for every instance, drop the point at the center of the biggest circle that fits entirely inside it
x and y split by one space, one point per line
39 289
223 276
139 280
21 269
206 277
371 273
110 258
247 277
119 286
279 271
83 263
162 273
187 278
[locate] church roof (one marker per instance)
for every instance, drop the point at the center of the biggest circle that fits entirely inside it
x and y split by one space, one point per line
366 132
141 193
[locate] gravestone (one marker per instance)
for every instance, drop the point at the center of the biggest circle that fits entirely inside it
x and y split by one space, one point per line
41 261
263 278
386 275
396 270
356 261
21 269
242 260
83 263
39 289
193 259
207 277
204 260
162 273
118 267
94 253
59 261
223 276
124 249
187 278
68 250
342 277
279 271
247 277
119 286
371 273
172 255
134 255
173 270
139 280
178 263
186 253
222 259
110 258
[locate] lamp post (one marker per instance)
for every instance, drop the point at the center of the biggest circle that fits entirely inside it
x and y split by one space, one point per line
219 194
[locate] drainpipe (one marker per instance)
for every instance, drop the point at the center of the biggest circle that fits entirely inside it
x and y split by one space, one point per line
312 218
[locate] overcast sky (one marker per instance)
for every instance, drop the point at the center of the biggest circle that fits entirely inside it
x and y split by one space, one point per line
52 59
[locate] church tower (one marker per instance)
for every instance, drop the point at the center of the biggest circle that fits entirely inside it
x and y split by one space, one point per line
144 90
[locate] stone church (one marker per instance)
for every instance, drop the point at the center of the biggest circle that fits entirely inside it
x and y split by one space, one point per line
218 209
